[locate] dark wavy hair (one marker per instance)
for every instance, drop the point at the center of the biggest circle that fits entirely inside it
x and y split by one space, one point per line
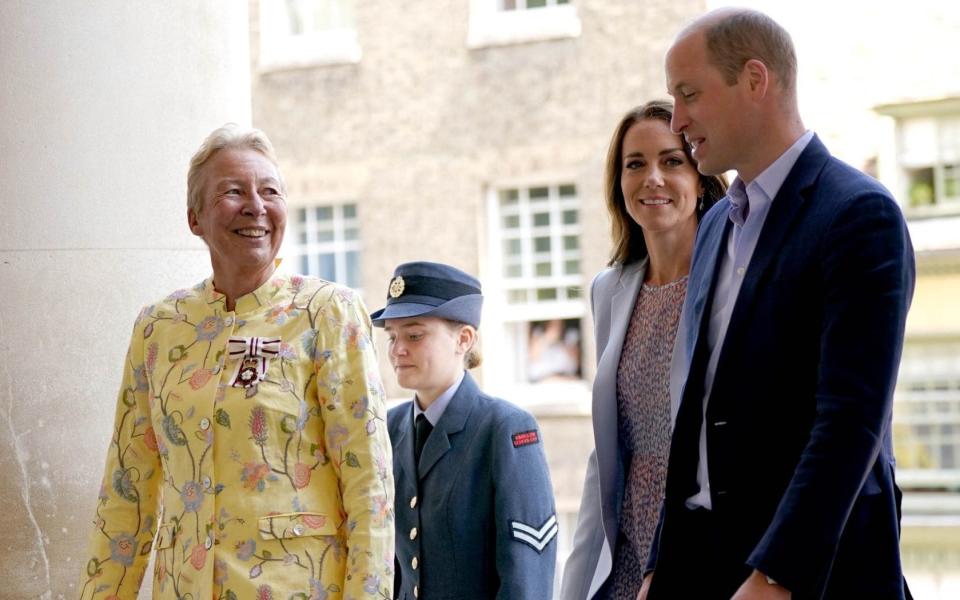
628 244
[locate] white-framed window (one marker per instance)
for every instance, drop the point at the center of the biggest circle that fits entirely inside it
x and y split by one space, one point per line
537 287
927 414
929 160
328 242
504 22
300 33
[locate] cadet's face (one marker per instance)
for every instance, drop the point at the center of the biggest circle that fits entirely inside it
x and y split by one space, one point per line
425 354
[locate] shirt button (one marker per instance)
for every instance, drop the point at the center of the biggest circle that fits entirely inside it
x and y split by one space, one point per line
208 543
413 502
207 482
298 530
414 563
416 591
204 423
413 533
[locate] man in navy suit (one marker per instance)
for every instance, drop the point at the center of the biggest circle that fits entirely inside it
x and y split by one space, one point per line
781 475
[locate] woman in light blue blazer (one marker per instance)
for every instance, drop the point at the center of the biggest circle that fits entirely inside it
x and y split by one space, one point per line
655 198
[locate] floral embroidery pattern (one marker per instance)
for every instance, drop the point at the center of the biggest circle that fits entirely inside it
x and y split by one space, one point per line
189 452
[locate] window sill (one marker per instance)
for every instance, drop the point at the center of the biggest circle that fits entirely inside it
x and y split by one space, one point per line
490 27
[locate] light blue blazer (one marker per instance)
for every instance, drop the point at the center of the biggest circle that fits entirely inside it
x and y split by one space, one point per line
613 295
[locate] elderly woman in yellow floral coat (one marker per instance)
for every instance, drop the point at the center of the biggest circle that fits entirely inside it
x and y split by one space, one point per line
249 451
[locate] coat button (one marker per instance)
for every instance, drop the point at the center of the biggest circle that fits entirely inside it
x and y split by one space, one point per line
207 482
413 502
208 543
228 321
204 423
416 591
414 563
413 533
298 529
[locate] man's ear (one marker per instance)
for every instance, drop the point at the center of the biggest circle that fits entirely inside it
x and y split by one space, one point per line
757 77
194 222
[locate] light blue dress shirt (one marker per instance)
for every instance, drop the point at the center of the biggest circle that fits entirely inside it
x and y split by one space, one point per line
750 203
435 410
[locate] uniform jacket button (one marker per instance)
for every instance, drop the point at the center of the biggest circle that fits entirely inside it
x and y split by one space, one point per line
416 591
413 533
413 502
414 563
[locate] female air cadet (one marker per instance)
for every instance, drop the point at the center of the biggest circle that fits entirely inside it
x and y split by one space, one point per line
475 511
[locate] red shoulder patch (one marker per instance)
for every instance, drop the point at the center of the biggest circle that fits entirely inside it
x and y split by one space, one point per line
525 438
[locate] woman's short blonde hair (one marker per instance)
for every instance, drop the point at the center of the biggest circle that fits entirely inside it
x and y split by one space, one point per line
230 135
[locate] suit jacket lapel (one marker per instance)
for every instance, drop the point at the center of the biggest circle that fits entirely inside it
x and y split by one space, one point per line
783 213
621 309
403 446
452 422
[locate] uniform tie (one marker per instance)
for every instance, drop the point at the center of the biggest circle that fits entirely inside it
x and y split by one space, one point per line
422 433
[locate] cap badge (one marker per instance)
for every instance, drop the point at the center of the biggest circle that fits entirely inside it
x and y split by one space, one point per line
396 286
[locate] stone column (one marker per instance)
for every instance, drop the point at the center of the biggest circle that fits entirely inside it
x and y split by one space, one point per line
101 106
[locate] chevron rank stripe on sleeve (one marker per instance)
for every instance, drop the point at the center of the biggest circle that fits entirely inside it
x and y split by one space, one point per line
536 538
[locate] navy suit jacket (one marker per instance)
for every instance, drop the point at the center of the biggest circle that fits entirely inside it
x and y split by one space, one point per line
477 519
799 445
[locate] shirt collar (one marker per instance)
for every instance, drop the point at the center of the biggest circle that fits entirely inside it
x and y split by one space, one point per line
767 184
258 298
436 409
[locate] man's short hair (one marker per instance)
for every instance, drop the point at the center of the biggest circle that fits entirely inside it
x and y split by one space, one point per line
733 39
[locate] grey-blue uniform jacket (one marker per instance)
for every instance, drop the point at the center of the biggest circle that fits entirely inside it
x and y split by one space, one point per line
478 520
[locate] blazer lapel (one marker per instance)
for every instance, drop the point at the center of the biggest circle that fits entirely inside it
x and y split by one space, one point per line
621 309
452 422
403 446
783 213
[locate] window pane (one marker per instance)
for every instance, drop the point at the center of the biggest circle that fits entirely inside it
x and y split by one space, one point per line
302 234
517 296
568 190
511 247
349 211
351 233
951 182
539 193
921 187
541 219
508 4
512 270
305 265
508 197
324 235
353 269
536 3
541 244
324 213
571 242
547 294
573 293
544 269
511 221
301 215
571 267
570 217
327 266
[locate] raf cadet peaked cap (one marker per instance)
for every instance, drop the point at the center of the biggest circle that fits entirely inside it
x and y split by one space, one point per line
427 289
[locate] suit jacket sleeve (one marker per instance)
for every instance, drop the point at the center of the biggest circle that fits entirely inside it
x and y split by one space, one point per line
867 271
587 539
359 446
524 512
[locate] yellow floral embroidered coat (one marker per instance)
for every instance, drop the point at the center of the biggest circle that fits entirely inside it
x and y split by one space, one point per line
280 490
